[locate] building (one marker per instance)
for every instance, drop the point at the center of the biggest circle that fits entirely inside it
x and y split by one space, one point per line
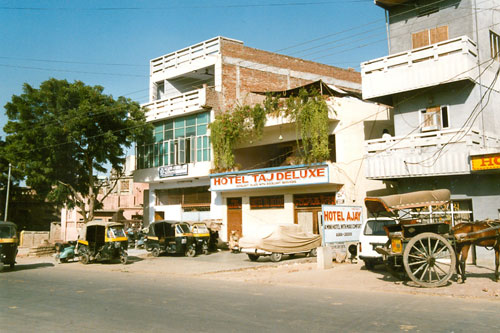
190 86
124 203
441 78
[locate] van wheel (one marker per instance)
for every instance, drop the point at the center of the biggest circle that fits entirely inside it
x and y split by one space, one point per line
369 265
275 256
190 252
252 257
155 252
84 258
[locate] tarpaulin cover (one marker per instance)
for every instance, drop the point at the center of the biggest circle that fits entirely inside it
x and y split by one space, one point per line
283 239
417 199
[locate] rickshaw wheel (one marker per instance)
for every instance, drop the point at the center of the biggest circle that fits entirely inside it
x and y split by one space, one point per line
155 252
124 259
204 248
429 260
190 252
84 258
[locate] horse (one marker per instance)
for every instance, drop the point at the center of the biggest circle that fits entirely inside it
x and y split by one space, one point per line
485 233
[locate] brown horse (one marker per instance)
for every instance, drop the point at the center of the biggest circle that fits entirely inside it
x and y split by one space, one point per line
484 233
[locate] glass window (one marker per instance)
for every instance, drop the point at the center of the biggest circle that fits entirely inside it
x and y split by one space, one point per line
376 227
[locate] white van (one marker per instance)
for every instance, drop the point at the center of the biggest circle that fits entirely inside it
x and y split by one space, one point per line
372 236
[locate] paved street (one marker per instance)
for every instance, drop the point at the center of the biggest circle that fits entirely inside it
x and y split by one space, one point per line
202 294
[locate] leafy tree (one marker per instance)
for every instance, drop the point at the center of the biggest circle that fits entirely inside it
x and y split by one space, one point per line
60 135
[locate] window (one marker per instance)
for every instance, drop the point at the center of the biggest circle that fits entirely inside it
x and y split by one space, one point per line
160 90
429 36
177 141
434 118
185 196
495 46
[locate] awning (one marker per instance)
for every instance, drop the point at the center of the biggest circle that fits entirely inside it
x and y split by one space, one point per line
319 86
417 199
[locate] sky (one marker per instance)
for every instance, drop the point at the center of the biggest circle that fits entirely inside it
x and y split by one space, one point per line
109 43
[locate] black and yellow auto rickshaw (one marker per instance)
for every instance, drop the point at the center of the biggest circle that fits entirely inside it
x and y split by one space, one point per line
102 241
8 244
170 237
201 236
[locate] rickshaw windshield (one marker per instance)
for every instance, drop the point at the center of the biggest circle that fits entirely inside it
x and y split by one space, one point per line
200 229
115 232
183 228
6 231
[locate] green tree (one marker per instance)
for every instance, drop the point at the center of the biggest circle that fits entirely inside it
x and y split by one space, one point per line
61 135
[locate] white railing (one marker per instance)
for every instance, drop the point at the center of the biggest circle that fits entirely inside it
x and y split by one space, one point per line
433 153
176 105
186 55
451 60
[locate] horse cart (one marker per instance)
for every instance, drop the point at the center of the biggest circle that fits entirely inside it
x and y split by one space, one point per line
423 245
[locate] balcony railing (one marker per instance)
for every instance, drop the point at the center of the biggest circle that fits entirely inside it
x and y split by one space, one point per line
443 62
181 104
433 153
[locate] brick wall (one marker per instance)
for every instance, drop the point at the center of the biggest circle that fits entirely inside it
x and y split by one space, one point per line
240 80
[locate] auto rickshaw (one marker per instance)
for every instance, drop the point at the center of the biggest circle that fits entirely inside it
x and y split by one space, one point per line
170 237
8 244
201 236
102 241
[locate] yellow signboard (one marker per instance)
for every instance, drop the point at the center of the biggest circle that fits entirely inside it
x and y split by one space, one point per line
485 162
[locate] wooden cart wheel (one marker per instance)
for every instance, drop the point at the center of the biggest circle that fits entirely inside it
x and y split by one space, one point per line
429 260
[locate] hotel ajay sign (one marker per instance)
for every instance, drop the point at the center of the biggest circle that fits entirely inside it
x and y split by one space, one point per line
485 162
271 178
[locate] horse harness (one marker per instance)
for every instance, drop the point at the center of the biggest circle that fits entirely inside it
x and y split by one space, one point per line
493 225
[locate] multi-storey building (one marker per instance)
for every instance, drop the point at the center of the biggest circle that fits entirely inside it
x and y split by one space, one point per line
441 78
189 87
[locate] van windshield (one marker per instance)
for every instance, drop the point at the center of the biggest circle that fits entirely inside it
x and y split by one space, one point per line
376 227
183 228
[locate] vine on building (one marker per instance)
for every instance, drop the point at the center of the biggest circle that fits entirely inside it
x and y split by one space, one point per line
308 110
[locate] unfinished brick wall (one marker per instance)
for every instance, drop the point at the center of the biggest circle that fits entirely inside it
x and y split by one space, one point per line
237 87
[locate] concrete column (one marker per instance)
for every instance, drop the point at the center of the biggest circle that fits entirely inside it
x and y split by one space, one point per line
325 257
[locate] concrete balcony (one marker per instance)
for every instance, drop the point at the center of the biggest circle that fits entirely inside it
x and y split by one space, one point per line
425 154
176 105
200 55
448 61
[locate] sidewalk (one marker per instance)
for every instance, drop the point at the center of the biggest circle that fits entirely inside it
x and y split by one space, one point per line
299 272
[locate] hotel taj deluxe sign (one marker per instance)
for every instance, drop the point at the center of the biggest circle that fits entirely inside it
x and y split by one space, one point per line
485 162
270 178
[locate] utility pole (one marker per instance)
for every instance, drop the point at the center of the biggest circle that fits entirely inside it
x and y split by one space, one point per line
7 196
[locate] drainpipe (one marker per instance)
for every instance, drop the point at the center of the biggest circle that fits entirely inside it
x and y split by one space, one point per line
387 31
479 71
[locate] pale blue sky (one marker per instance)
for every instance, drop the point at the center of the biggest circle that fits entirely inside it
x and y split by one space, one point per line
110 43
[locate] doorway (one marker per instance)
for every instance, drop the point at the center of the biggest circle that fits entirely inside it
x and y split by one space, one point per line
234 219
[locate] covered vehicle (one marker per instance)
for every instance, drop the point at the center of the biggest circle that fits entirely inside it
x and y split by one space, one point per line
201 236
102 241
373 235
167 236
281 239
8 244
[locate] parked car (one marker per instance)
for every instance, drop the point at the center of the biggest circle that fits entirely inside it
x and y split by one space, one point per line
373 235
282 239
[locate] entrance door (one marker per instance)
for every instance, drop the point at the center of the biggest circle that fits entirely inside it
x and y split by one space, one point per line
234 216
